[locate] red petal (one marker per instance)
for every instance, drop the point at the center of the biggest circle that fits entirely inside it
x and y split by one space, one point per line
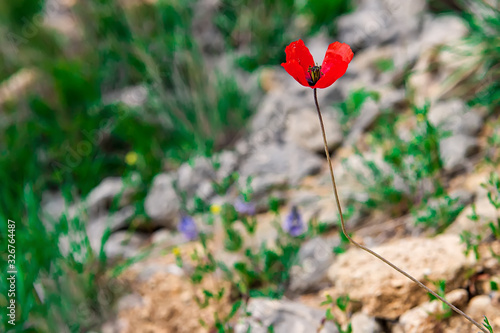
337 58
299 53
296 71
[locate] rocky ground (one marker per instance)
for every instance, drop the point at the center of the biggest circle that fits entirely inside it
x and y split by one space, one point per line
282 153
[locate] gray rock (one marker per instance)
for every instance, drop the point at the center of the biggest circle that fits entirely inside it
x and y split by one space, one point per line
456 117
92 231
304 130
270 119
441 30
377 22
455 150
390 98
194 176
277 162
204 30
167 238
283 316
264 184
315 257
131 96
368 115
101 198
162 203
227 162
464 197
53 206
123 244
98 227
362 323
115 326
150 270
303 198
57 15
130 301
328 213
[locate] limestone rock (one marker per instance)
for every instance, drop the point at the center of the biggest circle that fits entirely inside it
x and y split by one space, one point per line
100 198
453 115
315 257
193 176
378 22
423 318
386 293
97 228
304 130
362 323
283 316
278 160
124 244
486 213
162 203
455 150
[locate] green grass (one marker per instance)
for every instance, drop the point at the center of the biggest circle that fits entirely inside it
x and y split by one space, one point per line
260 30
67 136
484 26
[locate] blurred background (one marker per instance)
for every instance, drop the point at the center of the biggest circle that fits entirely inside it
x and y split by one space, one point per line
119 118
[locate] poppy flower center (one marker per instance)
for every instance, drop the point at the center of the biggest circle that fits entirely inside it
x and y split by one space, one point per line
314 74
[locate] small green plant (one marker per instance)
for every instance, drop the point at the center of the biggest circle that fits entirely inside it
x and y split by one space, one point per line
384 64
441 291
487 324
261 271
351 107
493 285
438 214
324 13
256 27
493 187
344 245
471 242
259 33
484 22
492 156
401 180
341 303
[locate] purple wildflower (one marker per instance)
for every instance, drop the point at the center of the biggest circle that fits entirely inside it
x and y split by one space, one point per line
188 228
293 223
243 207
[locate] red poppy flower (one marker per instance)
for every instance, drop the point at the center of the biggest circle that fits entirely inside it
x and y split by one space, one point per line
300 64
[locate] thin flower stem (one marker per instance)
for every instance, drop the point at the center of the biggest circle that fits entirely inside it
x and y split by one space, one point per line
364 248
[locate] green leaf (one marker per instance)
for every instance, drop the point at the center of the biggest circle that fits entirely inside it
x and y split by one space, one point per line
329 315
486 324
329 300
342 302
236 306
208 293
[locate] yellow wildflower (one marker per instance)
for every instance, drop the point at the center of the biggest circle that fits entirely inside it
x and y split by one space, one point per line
131 158
215 209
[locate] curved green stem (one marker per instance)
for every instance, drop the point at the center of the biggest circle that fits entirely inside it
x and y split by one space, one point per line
364 248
